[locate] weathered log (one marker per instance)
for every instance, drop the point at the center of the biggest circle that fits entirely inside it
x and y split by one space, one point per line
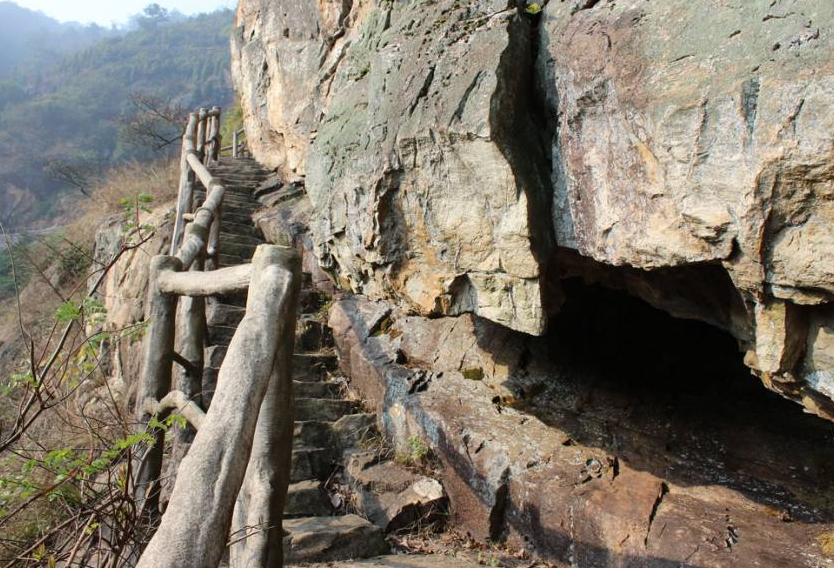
179 401
215 114
224 281
191 331
201 135
260 505
213 250
194 244
195 527
186 187
156 375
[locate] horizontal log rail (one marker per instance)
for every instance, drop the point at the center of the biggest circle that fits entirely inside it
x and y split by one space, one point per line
238 462
239 147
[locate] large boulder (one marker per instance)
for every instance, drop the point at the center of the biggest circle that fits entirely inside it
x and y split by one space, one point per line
691 133
464 157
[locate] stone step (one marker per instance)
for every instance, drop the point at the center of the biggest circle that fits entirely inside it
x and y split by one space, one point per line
238 238
354 430
311 334
227 260
220 334
307 499
219 314
420 561
242 175
313 366
325 409
238 209
310 301
241 229
236 299
233 198
213 356
244 251
315 389
311 463
329 539
313 433
239 216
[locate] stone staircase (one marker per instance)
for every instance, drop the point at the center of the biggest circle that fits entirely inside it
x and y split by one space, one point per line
327 425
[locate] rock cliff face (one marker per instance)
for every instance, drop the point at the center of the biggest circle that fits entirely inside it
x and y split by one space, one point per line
123 294
464 157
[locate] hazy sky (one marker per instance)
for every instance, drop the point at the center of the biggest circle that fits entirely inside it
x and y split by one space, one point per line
104 12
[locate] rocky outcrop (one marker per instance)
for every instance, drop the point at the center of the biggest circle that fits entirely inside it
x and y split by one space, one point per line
691 134
587 469
466 157
407 120
123 291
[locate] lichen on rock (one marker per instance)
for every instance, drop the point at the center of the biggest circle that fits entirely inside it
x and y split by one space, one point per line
459 156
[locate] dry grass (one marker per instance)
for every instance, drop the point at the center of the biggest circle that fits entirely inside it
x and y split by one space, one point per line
43 294
827 543
157 179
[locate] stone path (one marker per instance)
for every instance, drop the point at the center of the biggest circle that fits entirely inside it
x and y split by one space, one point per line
327 425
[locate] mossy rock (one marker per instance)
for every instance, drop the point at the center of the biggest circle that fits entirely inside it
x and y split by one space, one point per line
474 374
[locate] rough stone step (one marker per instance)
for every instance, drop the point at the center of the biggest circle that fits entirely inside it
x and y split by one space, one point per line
239 208
326 409
241 229
226 260
242 175
218 314
307 499
220 334
354 430
314 365
313 433
237 219
238 238
232 195
312 335
328 539
410 561
311 463
230 248
315 389
310 301
213 355
236 299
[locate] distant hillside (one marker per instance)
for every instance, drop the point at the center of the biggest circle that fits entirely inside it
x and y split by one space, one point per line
31 39
68 110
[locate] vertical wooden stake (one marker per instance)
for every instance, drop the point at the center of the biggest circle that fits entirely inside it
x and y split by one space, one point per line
156 377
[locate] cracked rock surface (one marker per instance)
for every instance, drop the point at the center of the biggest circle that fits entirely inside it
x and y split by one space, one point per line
454 153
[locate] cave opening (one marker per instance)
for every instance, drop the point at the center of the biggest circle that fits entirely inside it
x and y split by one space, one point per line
672 396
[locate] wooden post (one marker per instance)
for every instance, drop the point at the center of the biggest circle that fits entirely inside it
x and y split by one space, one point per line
201 136
186 189
215 133
214 240
195 528
156 376
234 144
190 332
264 490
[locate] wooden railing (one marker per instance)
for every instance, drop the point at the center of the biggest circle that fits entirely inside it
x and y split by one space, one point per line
239 147
239 459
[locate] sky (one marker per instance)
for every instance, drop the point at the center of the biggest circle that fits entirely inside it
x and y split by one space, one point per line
105 12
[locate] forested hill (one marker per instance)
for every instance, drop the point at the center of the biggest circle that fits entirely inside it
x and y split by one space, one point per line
31 39
69 111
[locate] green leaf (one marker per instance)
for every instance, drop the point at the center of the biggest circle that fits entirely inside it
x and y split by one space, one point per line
67 312
533 8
